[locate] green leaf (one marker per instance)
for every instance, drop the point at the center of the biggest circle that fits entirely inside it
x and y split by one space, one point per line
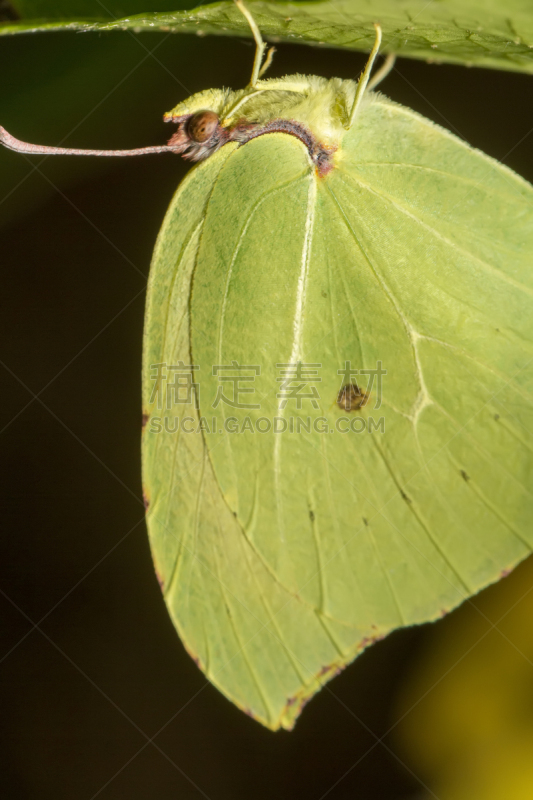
484 33
108 10
283 555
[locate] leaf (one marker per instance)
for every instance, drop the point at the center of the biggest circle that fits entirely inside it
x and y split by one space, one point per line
282 556
108 10
486 34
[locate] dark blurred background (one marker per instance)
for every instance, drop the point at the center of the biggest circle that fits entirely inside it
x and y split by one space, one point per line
90 666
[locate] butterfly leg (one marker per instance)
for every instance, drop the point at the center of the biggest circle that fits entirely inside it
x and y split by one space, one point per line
382 72
268 61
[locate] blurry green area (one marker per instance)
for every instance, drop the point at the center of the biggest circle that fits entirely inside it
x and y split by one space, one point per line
467 710
96 91
59 9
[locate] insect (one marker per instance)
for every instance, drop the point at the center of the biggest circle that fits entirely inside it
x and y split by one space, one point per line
330 238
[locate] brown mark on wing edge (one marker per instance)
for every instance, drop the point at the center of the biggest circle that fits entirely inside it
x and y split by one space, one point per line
185 141
505 572
325 674
146 500
145 418
352 398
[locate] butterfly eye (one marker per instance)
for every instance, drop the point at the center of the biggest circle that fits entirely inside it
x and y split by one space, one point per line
202 126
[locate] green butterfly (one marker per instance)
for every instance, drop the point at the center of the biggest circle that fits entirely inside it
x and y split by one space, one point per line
337 379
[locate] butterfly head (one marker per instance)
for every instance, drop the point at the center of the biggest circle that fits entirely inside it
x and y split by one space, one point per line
199 131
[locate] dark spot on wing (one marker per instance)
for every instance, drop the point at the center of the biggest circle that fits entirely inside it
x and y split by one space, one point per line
145 419
351 397
365 521
146 500
311 516
464 475
496 417
405 497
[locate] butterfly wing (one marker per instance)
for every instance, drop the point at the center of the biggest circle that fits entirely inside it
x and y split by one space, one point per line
283 554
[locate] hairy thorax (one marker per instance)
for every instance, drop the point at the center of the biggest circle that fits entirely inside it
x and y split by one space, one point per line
313 109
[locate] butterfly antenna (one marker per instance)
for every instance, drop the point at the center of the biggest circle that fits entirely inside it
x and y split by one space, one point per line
260 45
18 146
363 80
